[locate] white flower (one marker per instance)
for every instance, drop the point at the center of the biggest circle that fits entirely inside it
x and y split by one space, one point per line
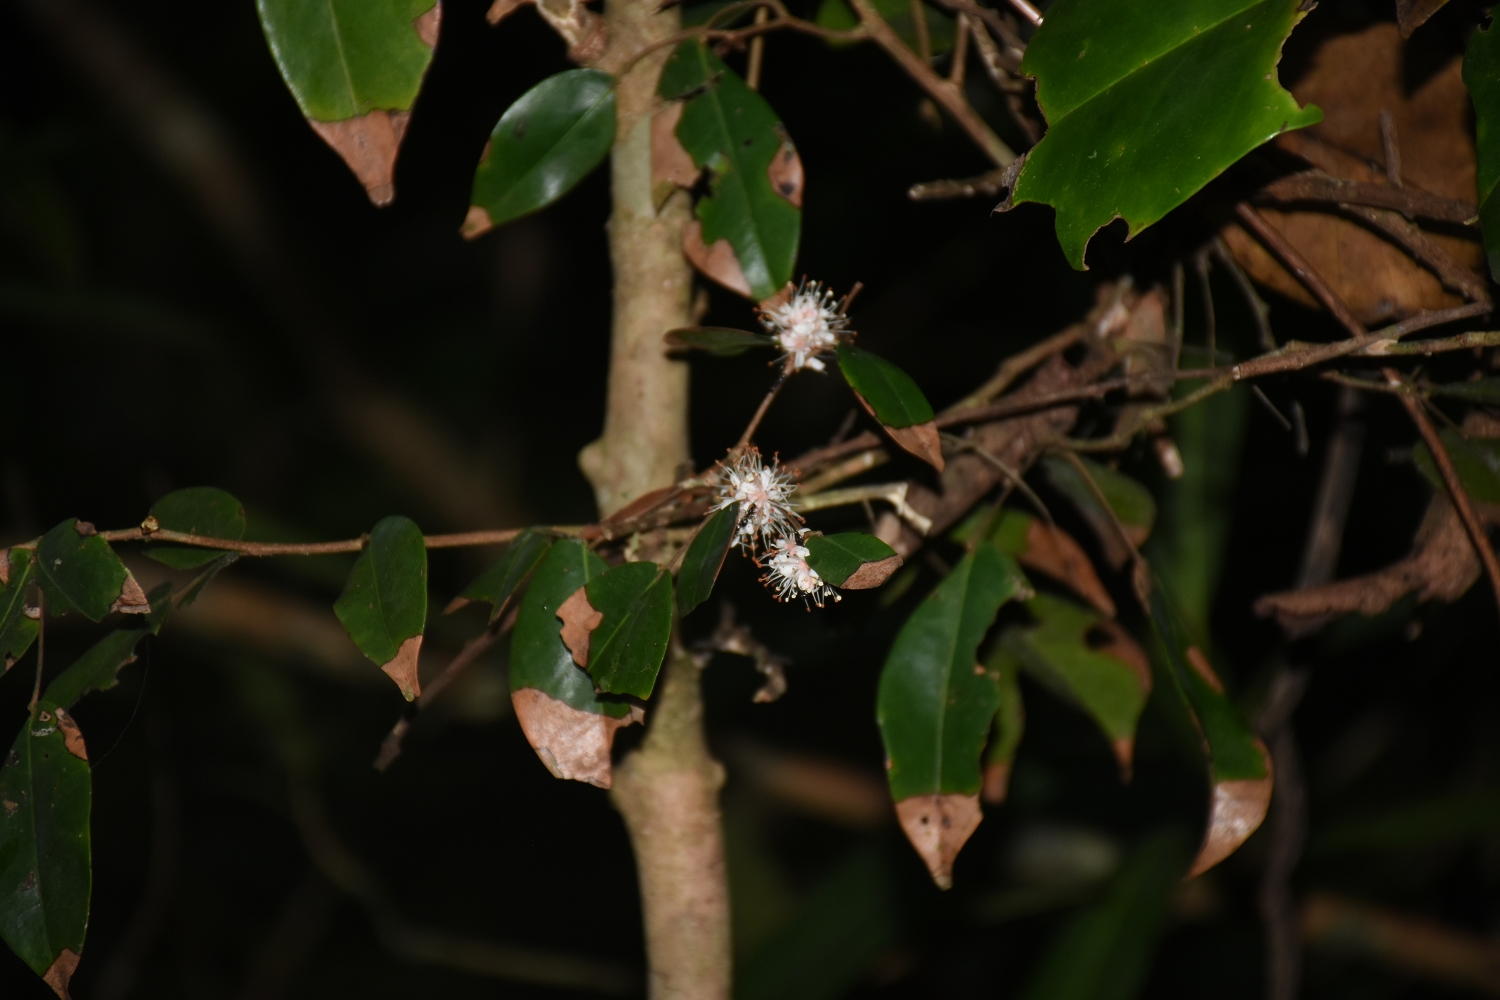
810 323
790 575
764 495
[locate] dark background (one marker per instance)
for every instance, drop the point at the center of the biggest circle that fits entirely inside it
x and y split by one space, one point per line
330 363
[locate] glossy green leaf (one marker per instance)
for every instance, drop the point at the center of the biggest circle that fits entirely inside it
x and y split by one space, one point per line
1146 103
17 628
1009 725
384 603
99 668
837 15
627 647
499 583
79 572
1477 461
345 58
719 340
705 557
197 510
731 130
1482 77
891 394
1106 680
851 559
1128 499
934 709
45 878
544 144
538 658
1105 951
1485 391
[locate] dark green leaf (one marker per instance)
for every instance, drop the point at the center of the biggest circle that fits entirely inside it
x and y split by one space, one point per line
1482 77
384 604
1480 390
838 16
1130 501
1109 678
544 144
705 557
1106 951
1477 461
197 510
17 628
81 573
499 583
935 706
891 395
1146 103
724 342
45 878
538 658
731 130
355 67
1010 724
851 560
98 669
626 648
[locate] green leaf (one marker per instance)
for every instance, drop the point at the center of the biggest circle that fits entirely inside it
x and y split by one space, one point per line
499 583
1130 501
837 15
544 144
355 67
1109 679
1009 727
538 658
1482 77
197 510
731 130
934 707
45 879
1485 391
705 557
724 342
384 603
17 628
1106 950
626 648
891 395
851 560
80 572
1146 103
98 669
1477 461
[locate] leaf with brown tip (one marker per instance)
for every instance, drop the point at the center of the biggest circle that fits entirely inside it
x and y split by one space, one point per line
718 261
938 826
1237 810
579 619
60 974
573 744
1050 550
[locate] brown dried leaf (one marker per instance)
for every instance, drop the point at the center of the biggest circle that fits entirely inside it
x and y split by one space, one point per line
1204 669
579 619
573 744
369 145
1412 14
1053 551
938 826
1353 78
671 166
718 262
1237 810
476 223
873 574
921 440
72 736
501 9
60 973
429 24
1442 565
403 669
785 173
132 599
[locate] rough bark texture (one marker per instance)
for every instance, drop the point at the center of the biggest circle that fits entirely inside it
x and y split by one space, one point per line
668 790
645 425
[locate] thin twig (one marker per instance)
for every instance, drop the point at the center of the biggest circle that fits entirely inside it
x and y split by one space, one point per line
1292 259
987 185
757 51
859 464
708 33
919 26
1314 185
1011 475
390 747
1451 480
892 493
1325 530
1286 829
760 412
1258 307
1201 266
1405 234
960 52
1031 14
1392 148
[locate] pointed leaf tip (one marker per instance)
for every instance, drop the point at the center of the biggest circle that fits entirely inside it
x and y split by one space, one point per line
938 826
384 603
1237 810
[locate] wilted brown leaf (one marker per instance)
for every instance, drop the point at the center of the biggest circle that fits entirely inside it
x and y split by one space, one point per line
1412 14
579 619
132 599
573 744
671 166
938 826
369 145
871 575
60 973
717 262
403 669
1237 810
1053 551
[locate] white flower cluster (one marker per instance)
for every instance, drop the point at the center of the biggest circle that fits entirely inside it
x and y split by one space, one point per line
770 524
810 323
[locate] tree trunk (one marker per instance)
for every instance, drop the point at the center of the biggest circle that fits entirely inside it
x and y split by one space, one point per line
668 790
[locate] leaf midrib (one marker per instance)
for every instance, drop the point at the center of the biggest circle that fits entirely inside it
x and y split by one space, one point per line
561 141
732 153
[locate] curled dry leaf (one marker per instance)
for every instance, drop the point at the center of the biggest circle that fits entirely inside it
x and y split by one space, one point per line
671 166
132 599
1237 810
785 172
72 736
1053 551
717 262
403 668
369 144
938 826
60 974
579 619
1442 565
872 574
574 745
